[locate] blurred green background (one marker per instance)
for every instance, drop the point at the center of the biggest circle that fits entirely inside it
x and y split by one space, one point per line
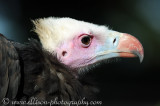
125 82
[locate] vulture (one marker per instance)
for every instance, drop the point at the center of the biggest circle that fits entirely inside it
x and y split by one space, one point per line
50 68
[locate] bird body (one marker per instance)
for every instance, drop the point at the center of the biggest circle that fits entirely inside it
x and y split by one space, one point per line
9 69
51 69
40 75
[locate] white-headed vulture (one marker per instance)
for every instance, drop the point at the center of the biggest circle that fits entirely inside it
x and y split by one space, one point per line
50 68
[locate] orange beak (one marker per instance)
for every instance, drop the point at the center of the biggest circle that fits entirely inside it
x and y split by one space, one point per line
129 46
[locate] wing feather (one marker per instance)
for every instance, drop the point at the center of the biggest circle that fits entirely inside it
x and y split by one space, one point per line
9 69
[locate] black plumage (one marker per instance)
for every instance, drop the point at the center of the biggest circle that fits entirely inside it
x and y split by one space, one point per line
10 74
29 71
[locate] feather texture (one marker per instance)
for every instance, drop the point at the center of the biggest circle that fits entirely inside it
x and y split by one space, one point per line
28 71
46 78
9 70
57 30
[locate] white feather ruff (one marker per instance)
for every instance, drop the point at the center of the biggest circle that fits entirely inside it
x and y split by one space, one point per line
54 31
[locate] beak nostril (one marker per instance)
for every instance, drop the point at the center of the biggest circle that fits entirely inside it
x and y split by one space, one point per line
114 40
64 53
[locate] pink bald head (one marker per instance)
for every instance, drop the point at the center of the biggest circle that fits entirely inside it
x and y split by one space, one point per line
78 52
79 44
85 49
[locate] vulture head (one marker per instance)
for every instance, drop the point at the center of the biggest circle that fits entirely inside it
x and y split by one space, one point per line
79 44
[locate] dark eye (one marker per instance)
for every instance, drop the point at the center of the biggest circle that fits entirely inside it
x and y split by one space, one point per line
86 40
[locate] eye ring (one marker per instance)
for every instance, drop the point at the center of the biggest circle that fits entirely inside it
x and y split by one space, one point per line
86 40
